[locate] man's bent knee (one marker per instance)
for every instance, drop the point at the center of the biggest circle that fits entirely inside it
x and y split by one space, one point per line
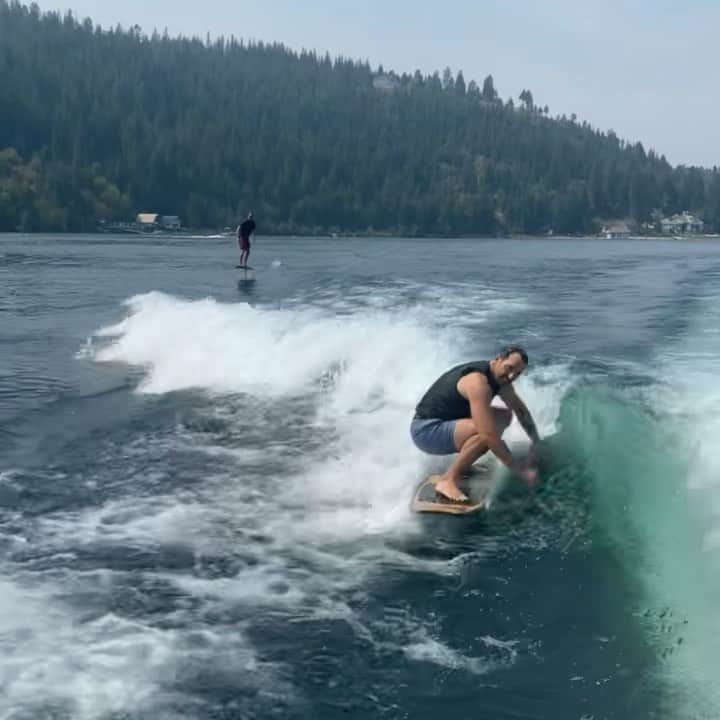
464 429
476 441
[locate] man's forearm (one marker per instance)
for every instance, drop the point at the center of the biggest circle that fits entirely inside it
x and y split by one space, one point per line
525 419
498 448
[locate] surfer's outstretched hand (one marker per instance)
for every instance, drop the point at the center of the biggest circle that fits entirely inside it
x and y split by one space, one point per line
529 475
527 471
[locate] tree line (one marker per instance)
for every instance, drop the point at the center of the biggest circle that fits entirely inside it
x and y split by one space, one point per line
97 125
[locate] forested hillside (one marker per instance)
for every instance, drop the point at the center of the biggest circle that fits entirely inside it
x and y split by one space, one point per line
99 125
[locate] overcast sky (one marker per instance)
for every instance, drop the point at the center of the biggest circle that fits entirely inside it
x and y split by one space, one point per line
647 69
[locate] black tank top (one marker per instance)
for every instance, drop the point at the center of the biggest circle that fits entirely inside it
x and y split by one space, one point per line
443 401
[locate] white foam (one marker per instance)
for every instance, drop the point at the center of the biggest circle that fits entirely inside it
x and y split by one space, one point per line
55 657
152 521
93 668
425 648
237 348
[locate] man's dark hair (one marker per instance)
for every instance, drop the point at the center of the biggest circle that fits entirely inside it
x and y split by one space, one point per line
508 351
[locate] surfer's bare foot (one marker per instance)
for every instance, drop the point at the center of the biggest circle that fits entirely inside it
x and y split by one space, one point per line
447 487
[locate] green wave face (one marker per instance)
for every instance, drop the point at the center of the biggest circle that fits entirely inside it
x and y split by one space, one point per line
636 467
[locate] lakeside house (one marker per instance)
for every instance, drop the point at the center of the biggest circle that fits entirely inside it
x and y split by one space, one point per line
147 222
144 222
150 222
616 230
682 224
170 222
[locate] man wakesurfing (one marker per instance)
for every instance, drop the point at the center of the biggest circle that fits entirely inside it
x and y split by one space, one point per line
244 231
456 416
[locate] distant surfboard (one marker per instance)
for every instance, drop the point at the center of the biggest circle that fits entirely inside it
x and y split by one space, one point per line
246 274
479 487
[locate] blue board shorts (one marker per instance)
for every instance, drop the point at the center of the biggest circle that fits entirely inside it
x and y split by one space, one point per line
434 436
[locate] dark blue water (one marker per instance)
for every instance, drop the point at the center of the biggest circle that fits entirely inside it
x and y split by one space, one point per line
204 483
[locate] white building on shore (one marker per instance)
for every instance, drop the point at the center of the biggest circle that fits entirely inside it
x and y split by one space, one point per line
149 222
616 230
682 224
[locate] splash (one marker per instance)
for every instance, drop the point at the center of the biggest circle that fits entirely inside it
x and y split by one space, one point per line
363 373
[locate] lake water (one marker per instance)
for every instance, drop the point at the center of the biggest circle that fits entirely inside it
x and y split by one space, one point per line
204 484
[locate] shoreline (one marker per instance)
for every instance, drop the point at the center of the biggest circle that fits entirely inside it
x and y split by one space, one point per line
210 235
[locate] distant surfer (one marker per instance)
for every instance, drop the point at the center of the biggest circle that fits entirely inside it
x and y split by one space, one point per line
244 231
455 416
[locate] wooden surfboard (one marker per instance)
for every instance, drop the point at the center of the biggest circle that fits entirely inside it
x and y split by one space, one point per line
478 488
